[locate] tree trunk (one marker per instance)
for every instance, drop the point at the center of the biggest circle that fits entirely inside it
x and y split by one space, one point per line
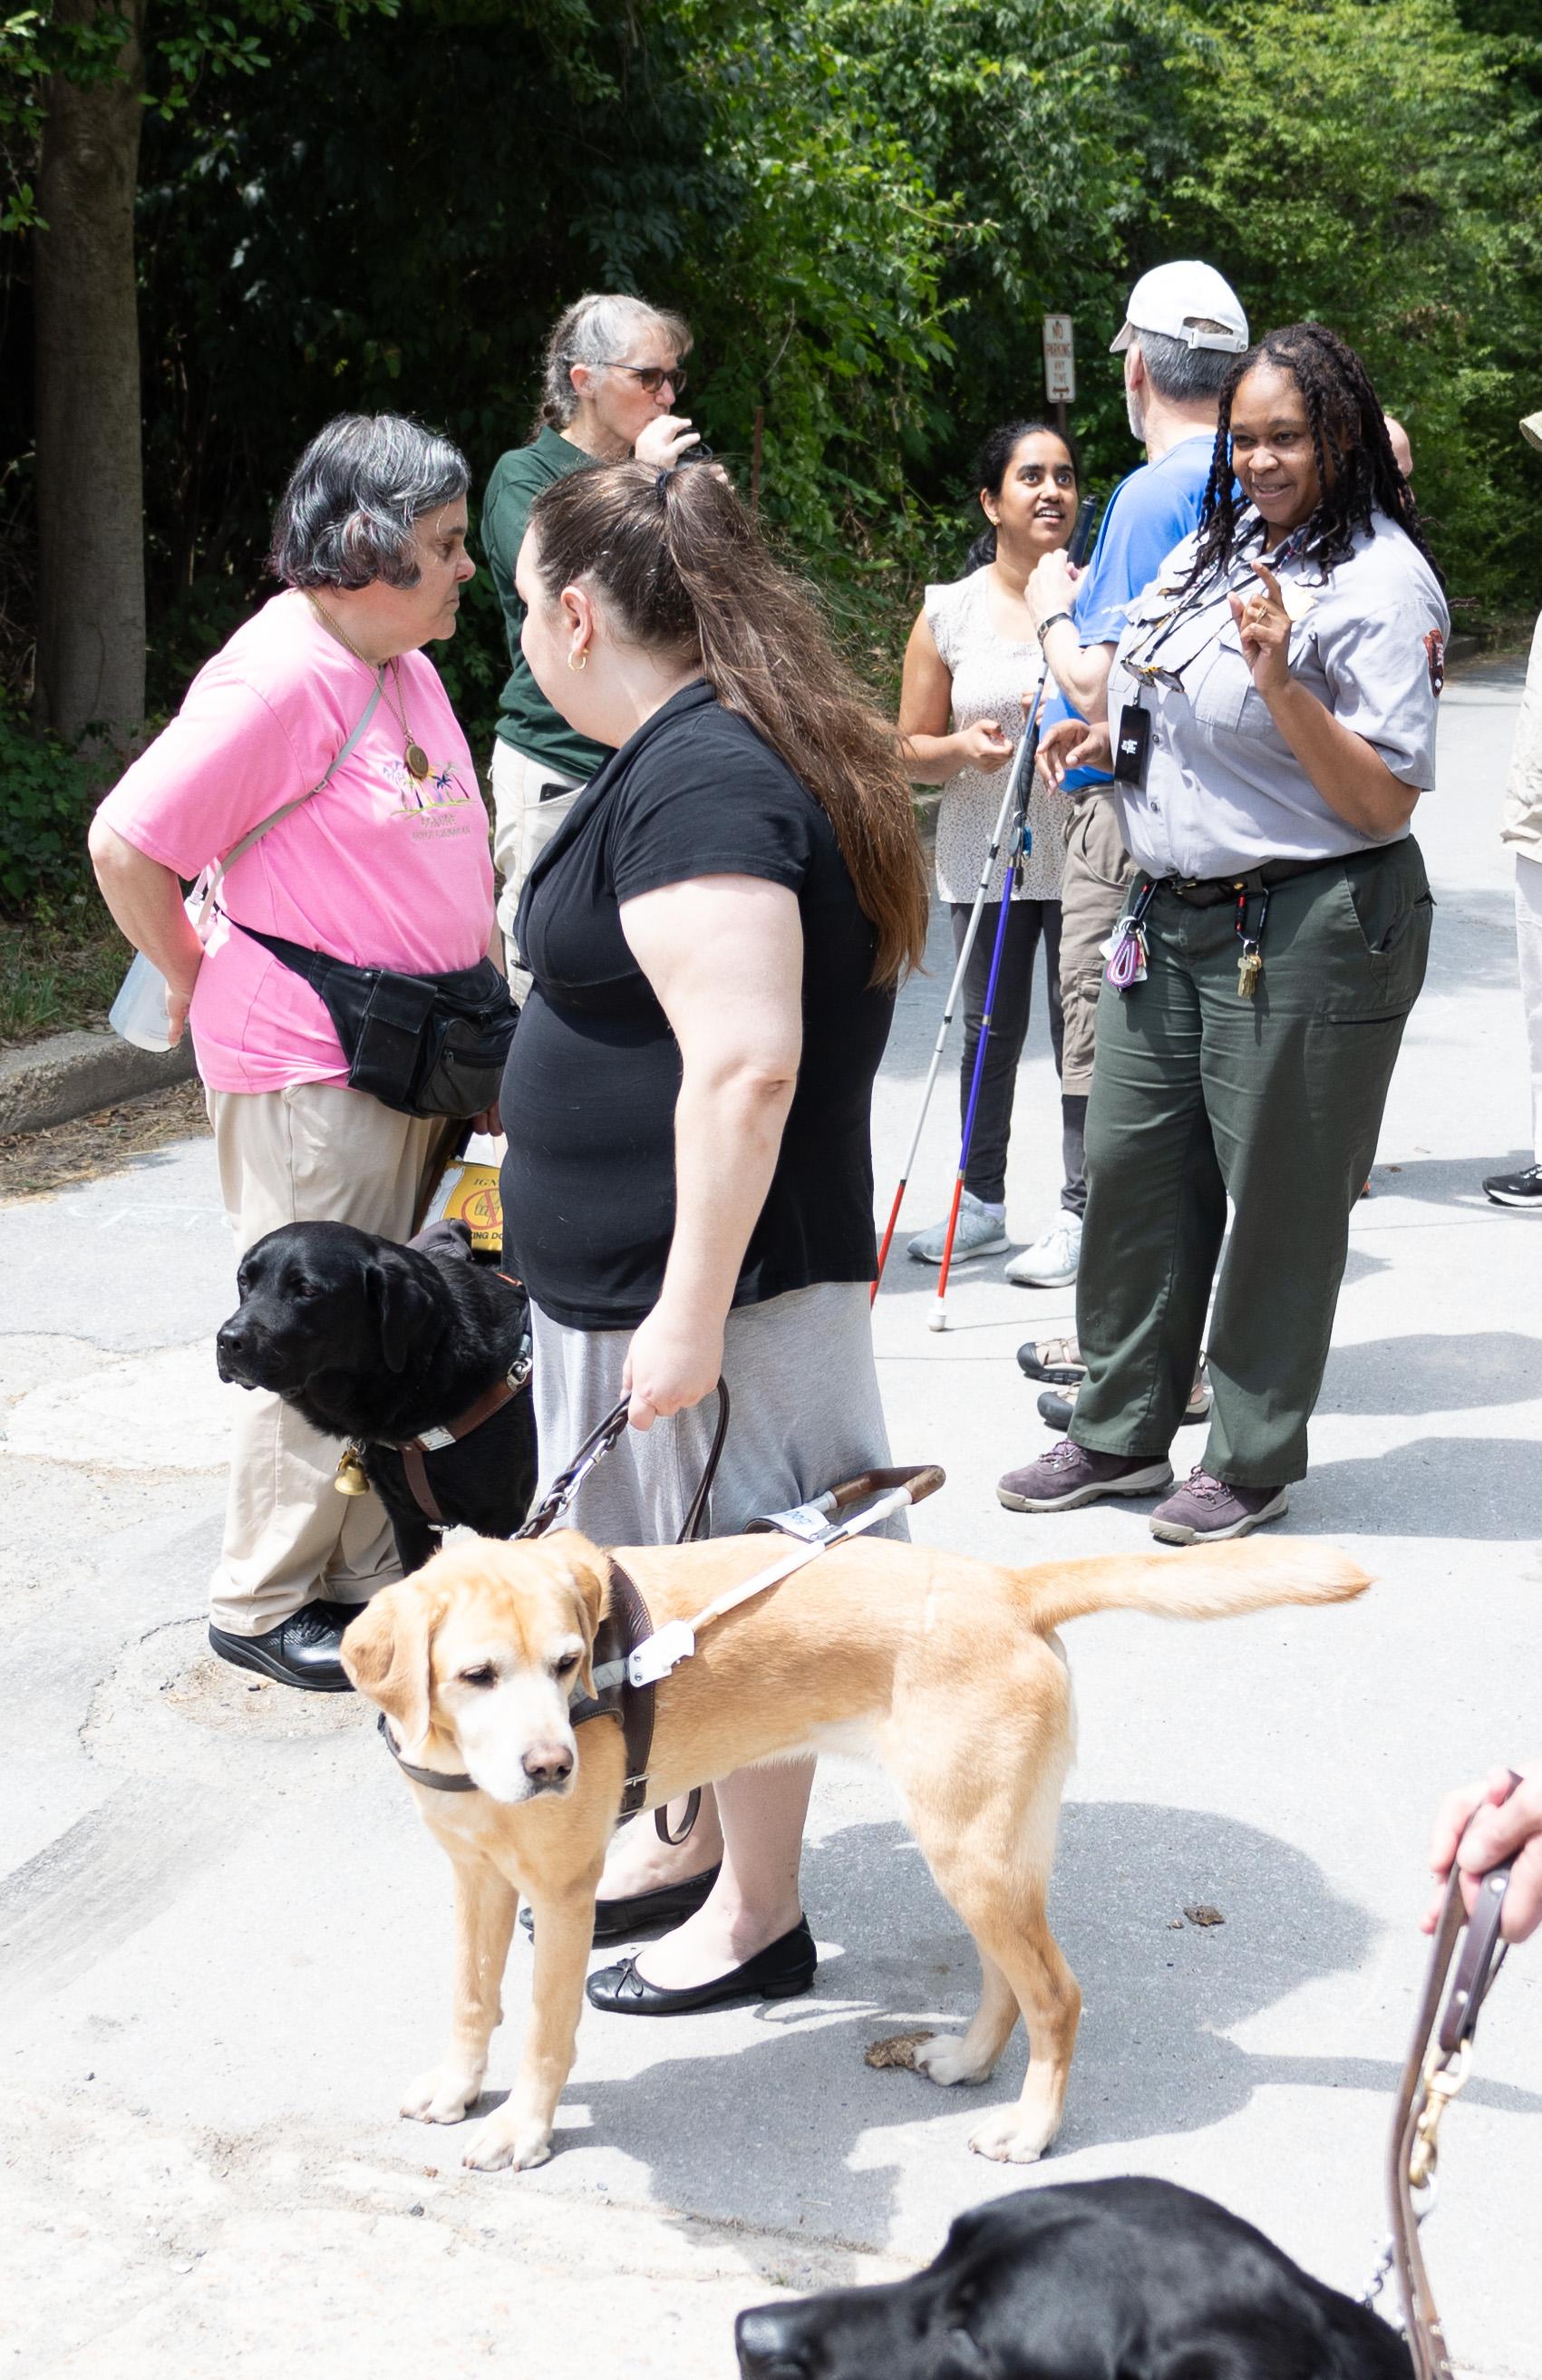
90 474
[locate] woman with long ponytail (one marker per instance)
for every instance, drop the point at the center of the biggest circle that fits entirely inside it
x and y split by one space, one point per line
715 937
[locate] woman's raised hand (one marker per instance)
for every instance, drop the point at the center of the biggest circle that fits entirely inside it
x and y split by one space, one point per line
1264 629
983 746
1072 744
664 440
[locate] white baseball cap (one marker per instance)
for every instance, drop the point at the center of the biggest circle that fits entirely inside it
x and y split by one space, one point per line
1175 300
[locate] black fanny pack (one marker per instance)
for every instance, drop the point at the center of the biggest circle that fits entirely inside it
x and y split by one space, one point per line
427 1045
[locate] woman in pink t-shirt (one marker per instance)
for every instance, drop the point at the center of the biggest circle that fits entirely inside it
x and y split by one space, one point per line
387 866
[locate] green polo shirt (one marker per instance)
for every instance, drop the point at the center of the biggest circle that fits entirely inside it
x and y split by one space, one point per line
526 718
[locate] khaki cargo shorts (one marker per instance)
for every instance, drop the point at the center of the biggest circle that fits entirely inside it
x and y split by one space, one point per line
1097 869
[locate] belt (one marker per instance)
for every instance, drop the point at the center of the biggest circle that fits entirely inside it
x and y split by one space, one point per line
1205 892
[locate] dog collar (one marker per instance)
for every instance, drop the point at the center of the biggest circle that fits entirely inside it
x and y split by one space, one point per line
491 1401
440 1778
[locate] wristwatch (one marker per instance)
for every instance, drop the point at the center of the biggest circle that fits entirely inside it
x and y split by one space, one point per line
1053 621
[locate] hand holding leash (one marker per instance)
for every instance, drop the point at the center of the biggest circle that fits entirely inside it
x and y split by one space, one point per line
1440 2054
1484 1826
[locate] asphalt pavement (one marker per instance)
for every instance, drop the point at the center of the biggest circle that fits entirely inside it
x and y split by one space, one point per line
224 1937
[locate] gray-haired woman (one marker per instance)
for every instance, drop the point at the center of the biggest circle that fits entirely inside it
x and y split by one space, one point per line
614 374
388 866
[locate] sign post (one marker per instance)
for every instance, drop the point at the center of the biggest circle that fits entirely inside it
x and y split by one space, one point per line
1060 364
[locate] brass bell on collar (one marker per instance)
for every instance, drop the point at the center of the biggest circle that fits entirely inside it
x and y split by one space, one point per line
350 1480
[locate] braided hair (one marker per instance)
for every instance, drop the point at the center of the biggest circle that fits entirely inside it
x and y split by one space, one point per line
1356 473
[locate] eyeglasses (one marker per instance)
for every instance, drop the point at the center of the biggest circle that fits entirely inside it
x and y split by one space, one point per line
650 376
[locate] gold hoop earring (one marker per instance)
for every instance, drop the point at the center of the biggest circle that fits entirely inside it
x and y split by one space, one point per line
582 661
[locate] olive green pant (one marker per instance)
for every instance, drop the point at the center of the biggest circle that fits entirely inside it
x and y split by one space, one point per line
1276 1102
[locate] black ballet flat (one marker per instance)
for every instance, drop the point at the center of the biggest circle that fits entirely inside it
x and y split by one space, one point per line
781 1972
618 1921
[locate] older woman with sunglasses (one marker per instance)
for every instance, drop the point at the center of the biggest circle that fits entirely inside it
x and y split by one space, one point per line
1273 705
613 376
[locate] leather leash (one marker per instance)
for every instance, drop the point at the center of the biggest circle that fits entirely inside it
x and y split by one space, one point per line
1440 2057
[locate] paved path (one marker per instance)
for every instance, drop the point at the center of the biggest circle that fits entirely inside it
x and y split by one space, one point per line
224 1935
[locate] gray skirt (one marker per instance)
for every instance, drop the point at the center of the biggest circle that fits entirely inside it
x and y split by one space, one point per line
806 1412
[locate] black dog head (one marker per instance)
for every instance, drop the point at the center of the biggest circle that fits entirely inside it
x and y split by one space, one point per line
320 1298
1100 2280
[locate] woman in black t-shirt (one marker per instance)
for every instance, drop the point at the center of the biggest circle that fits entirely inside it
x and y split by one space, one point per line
715 934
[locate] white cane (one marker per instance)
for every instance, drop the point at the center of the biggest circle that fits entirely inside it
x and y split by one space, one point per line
998 838
1080 539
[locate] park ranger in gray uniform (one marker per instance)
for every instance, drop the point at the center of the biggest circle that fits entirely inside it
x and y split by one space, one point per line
1272 706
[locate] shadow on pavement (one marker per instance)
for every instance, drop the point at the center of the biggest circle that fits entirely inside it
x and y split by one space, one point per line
1433 1373
792 2128
1481 1487
1443 1180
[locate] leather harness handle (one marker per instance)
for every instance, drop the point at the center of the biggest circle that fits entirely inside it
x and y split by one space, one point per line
923 1479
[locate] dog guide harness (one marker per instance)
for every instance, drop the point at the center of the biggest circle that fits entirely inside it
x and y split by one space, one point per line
630 1655
351 1478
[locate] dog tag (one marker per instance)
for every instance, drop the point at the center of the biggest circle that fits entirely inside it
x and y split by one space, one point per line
658 1654
435 1441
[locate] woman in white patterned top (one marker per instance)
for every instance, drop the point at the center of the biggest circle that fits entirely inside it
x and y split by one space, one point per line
971 654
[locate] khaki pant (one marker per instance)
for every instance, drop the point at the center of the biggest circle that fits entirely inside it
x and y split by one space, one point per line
313 1152
526 815
1098 870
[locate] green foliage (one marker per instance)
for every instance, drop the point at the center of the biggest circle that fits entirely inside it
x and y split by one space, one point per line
59 966
863 206
46 795
1377 168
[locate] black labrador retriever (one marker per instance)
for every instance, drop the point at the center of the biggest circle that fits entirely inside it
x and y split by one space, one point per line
378 1342
1086 2280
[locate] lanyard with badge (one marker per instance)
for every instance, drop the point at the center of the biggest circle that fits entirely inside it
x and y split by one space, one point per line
1127 950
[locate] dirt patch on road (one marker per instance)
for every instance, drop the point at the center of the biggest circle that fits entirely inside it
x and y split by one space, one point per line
34 1164
212 1694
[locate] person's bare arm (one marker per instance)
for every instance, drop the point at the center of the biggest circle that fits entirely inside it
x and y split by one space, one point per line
1352 779
930 754
146 903
724 956
1503 1830
1081 671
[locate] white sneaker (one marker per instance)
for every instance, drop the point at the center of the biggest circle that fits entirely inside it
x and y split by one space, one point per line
1051 1261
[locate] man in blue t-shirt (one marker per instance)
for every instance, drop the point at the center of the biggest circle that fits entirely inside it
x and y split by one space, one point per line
1183 329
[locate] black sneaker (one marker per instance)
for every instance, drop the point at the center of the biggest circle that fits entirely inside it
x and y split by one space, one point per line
301 1651
1524 1189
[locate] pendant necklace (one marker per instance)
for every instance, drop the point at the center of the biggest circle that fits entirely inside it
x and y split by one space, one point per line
413 754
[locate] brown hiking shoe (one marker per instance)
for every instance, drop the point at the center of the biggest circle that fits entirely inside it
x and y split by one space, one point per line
1205 1510
1071 1475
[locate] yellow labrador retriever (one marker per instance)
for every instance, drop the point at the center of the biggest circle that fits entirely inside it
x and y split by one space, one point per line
947 1669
